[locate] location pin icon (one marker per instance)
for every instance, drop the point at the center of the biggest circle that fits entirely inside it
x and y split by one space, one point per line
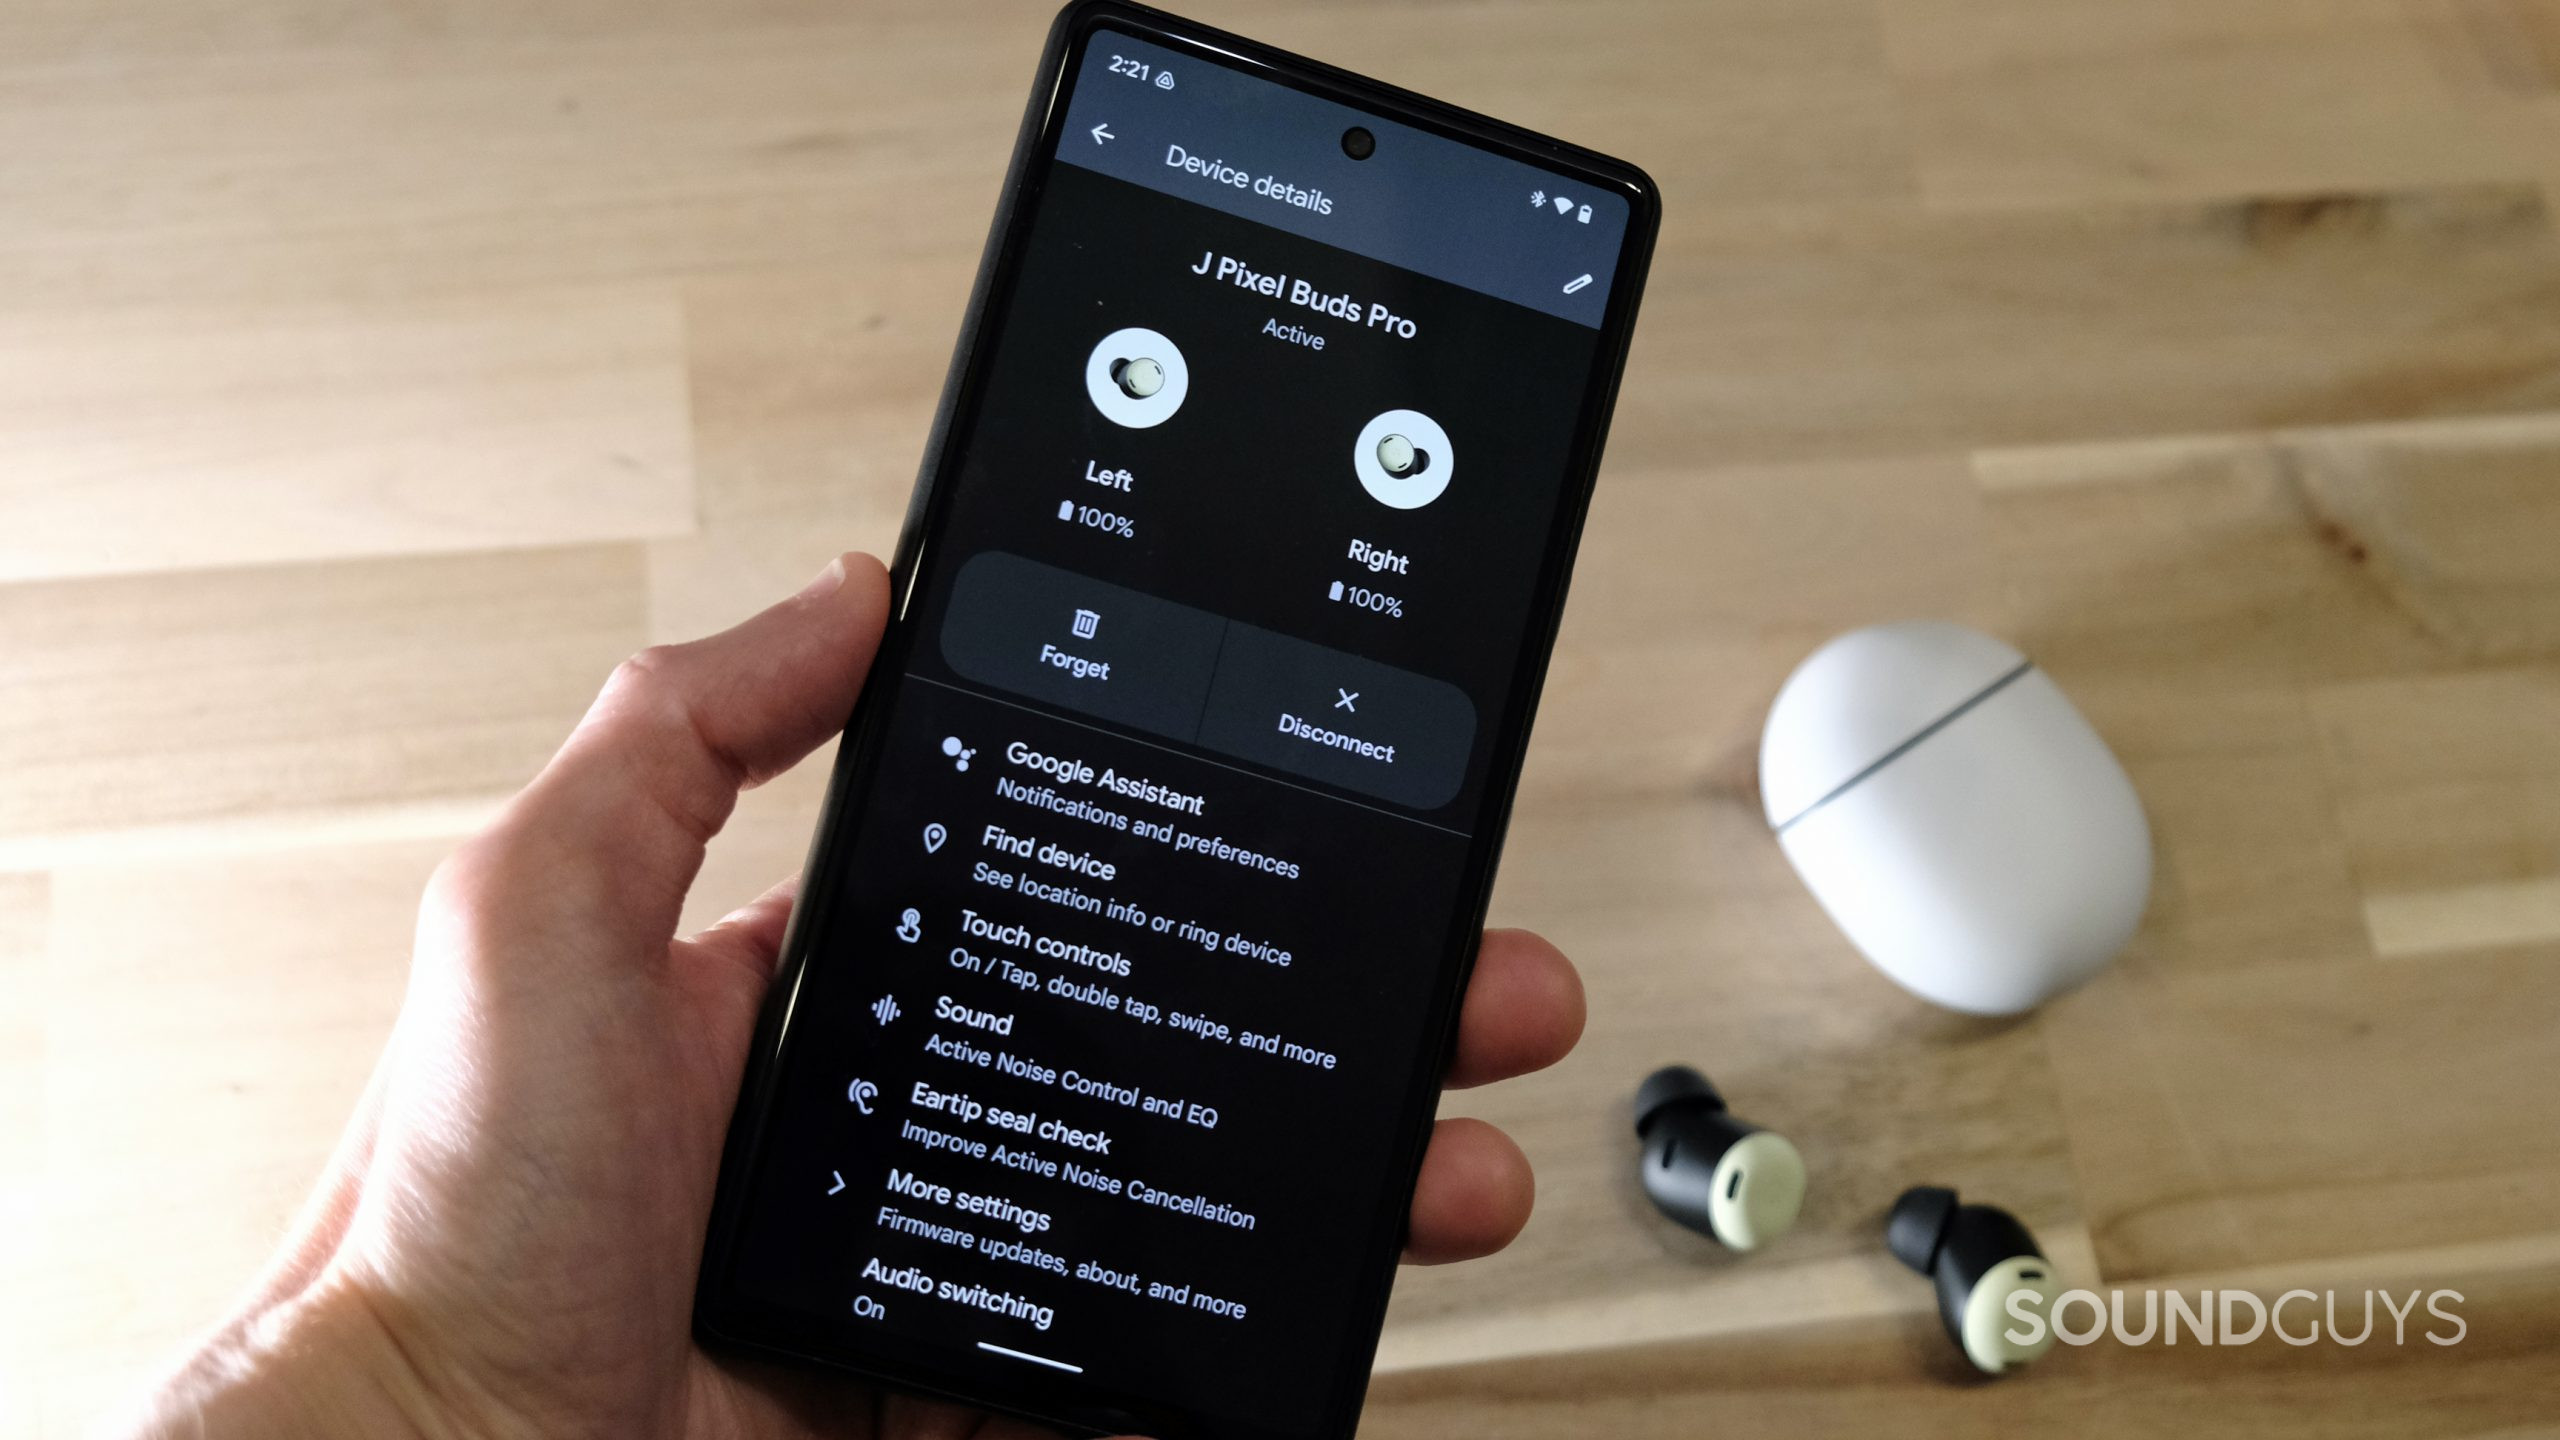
934 835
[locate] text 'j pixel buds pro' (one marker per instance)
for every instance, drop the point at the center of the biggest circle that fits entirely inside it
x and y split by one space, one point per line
1979 1257
1711 1172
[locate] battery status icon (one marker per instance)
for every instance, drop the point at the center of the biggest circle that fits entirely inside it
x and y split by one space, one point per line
1066 509
1335 593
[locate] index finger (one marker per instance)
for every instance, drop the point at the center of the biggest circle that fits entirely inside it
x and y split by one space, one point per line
1523 1012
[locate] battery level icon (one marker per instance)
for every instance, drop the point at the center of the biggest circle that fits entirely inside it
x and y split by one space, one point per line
1335 593
1066 509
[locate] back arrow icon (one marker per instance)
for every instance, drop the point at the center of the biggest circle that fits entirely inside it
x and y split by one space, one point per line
1102 132
839 1185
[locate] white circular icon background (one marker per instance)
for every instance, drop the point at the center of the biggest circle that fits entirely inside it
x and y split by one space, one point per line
1117 405
1405 492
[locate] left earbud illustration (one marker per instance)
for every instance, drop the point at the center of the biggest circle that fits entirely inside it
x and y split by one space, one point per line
1711 1172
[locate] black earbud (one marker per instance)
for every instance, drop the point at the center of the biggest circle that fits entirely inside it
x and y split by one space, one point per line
1979 1257
1711 1172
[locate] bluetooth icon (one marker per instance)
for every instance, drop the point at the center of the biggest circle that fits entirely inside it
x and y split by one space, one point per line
885 1009
1537 199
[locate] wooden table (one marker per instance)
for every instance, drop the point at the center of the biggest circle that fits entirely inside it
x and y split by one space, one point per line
372 378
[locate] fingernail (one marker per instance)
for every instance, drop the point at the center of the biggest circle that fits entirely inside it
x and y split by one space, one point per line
828 581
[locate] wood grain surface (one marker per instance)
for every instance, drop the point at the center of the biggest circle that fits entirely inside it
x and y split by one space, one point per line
372 378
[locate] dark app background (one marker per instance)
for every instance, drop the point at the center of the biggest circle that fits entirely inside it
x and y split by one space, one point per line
1244 505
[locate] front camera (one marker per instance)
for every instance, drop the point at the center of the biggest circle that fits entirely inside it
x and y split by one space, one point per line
1358 143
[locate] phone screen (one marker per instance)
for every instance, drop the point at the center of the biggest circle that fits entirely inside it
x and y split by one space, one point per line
1125 973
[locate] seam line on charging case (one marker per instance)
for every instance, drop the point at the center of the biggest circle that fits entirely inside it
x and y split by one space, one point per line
1898 751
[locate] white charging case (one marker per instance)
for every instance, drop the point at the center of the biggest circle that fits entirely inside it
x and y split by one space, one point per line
1955 815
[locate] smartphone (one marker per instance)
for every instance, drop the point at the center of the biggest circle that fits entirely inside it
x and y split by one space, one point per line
1110 1027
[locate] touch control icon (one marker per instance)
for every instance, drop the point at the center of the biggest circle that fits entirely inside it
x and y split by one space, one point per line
1136 378
910 926
1404 459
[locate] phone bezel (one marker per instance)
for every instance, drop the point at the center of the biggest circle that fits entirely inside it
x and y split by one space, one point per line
728 1319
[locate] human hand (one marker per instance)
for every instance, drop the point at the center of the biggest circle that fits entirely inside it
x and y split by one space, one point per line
506 1240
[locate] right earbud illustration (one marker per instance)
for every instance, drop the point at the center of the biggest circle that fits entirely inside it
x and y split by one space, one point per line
1979 1257
1710 1171
1400 457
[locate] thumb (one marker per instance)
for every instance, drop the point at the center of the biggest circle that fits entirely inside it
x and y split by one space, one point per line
608 837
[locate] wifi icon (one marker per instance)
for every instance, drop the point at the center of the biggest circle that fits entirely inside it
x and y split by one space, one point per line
1562 203
885 1009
